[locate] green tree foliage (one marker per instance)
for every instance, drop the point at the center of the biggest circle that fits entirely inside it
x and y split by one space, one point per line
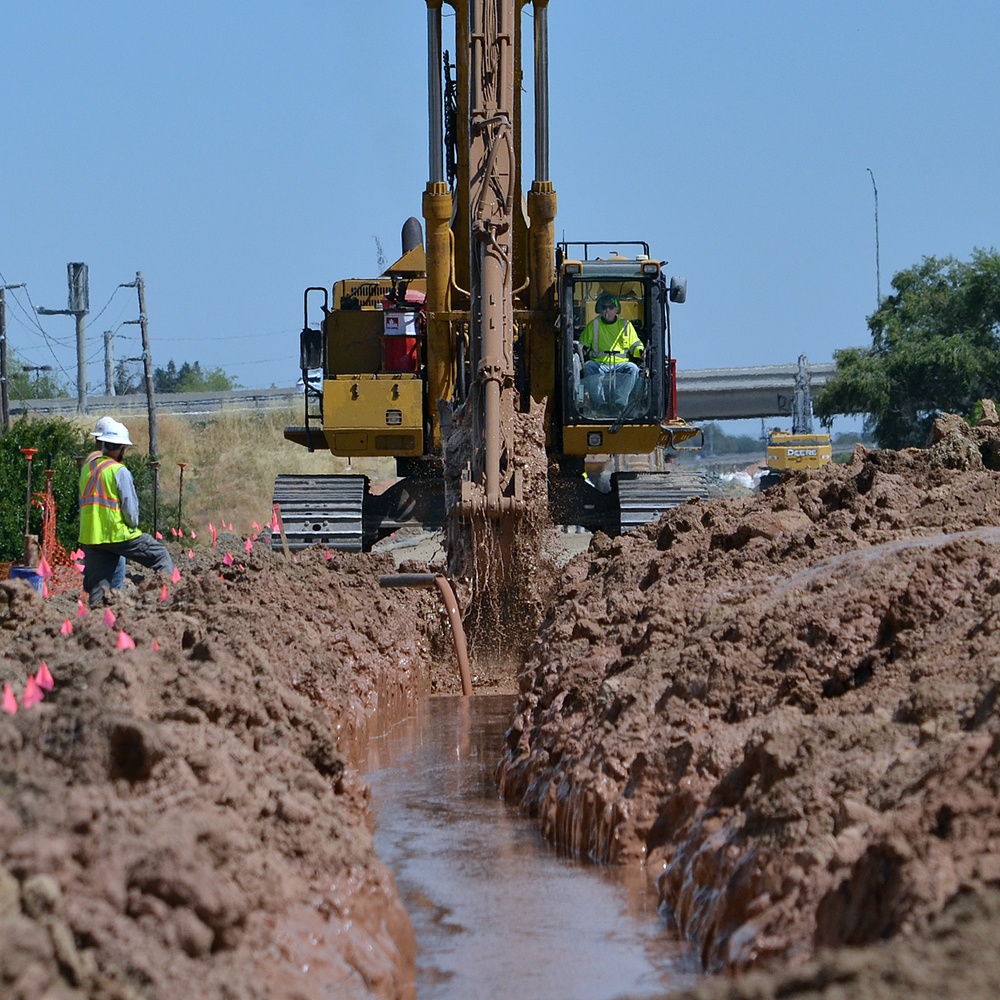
25 382
718 442
935 348
190 378
59 445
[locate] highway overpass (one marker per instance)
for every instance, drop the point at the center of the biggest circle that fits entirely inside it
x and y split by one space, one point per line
702 394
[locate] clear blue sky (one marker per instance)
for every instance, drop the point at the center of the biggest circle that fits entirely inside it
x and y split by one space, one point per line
237 152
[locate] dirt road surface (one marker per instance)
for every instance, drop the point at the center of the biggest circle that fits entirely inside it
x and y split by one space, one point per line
785 705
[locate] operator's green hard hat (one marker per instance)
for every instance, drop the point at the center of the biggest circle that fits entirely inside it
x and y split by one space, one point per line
606 299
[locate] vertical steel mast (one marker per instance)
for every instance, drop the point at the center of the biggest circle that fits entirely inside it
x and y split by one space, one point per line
493 489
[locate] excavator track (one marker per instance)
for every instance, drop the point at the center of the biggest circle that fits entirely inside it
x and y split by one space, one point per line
644 496
321 510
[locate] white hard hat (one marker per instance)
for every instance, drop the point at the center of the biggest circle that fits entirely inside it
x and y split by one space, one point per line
114 433
102 426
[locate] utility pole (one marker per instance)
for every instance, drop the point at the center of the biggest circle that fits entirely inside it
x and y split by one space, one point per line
4 389
147 361
79 306
109 363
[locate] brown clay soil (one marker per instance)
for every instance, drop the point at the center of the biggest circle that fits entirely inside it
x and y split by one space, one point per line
784 704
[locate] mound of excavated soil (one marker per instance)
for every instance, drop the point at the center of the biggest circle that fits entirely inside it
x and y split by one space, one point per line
178 822
787 705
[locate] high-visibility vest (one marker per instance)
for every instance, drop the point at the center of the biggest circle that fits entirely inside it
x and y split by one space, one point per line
101 518
610 343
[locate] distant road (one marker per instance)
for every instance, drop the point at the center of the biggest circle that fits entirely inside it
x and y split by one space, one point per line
702 394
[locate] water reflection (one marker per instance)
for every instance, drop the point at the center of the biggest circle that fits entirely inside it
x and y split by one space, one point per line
496 912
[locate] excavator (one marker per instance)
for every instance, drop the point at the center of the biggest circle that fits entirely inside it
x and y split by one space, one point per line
462 359
800 448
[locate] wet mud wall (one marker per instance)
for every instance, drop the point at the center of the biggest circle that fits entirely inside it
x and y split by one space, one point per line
785 705
178 817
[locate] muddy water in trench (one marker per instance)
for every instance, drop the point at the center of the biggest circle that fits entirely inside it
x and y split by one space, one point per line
495 910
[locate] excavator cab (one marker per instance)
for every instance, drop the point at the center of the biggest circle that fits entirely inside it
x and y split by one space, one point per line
620 408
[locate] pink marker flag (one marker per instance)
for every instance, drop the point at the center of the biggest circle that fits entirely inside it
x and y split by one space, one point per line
45 589
66 628
159 537
327 555
248 545
125 641
227 560
33 694
81 609
109 617
180 532
193 535
175 577
154 646
190 553
173 531
44 570
79 567
9 701
164 594
44 678
255 526
211 528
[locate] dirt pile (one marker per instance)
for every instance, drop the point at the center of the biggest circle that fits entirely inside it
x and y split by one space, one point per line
787 705
180 821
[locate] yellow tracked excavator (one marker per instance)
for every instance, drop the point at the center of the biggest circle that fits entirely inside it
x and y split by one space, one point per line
801 447
438 361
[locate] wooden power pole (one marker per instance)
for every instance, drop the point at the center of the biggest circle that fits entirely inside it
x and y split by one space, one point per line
147 362
79 306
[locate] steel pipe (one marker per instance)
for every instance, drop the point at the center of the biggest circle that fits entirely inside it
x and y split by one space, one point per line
451 606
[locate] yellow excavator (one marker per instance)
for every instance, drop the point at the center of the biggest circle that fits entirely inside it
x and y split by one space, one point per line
800 448
440 361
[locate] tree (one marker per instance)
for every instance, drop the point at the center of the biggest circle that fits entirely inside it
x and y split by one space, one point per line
935 348
26 382
190 378
59 444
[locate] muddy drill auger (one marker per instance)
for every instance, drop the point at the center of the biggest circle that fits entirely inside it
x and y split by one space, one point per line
491 487
464 360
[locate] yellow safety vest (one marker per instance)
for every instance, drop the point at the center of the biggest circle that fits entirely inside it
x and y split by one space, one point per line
101 518
610 343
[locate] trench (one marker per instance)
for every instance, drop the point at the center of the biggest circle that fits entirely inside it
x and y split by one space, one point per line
496 911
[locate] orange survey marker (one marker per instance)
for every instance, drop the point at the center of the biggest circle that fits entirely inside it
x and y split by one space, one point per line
276 519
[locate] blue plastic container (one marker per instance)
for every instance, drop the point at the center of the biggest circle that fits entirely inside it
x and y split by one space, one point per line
27 573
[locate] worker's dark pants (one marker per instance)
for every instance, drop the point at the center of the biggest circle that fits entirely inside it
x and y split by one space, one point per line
101 561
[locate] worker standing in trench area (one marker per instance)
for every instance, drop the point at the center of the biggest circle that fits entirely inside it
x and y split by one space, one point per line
109 516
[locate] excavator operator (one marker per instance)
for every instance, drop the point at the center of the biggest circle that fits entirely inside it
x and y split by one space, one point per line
611 348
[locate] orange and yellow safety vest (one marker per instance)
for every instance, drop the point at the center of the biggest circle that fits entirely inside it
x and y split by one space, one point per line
101 518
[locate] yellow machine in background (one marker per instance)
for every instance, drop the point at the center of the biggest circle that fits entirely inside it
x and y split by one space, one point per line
799 448
787 450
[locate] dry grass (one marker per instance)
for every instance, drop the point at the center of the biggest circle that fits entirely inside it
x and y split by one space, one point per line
232 459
